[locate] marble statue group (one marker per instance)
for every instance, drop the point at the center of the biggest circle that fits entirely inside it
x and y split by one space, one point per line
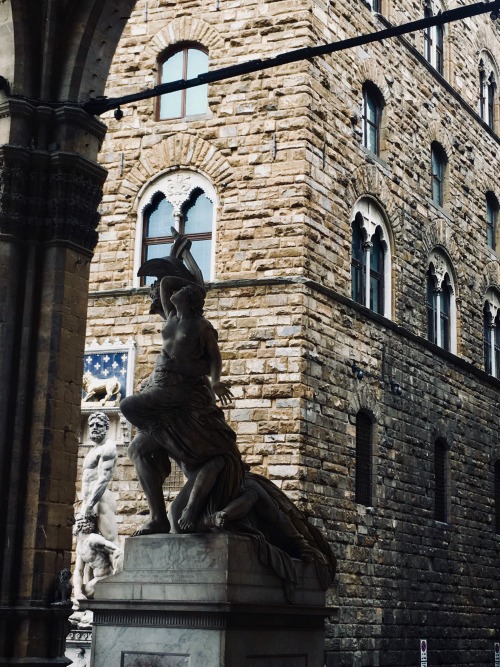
98 553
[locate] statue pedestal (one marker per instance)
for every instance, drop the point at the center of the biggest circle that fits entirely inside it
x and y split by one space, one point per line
205 600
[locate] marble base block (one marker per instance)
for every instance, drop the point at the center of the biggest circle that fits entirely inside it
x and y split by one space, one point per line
205 600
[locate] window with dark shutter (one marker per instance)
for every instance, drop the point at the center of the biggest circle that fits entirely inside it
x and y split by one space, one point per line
363 459
440 481
497 497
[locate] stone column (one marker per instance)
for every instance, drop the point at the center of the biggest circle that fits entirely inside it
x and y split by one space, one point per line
50 187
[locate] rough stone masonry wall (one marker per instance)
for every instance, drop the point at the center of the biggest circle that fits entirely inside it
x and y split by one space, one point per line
402 575
288 347
419 108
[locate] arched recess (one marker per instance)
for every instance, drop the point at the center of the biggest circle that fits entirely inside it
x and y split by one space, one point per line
489 277
370 70
445 431
486 40
491 331
64 53
437 133
179 153
487 88
443 236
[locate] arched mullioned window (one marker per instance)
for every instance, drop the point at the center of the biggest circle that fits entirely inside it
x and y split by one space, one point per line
371 258
439 162
491 331
434 40
441 303
488 79
491 220
440 480
358 261
183 200
364 459
184 62
373 104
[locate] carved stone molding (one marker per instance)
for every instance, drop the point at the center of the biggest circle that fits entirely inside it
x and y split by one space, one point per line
49 196
439 268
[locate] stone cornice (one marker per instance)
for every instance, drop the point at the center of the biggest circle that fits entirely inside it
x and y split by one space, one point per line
333 295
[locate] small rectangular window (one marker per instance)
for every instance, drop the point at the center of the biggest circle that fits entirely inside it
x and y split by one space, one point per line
438 166
372 114
440 482
491 220
363 459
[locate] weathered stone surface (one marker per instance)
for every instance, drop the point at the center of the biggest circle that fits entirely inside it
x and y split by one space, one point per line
207 599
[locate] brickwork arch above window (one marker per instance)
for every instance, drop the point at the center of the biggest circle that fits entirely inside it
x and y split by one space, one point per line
183 30
371 258
185 200
441 302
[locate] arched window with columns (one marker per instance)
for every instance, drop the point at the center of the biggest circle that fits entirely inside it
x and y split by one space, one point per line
441 303
488 78
186 201
491 329
371 258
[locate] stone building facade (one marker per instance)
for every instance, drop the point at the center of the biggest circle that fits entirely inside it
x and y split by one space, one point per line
354 281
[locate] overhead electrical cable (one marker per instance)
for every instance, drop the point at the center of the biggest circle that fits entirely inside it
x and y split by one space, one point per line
97 106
